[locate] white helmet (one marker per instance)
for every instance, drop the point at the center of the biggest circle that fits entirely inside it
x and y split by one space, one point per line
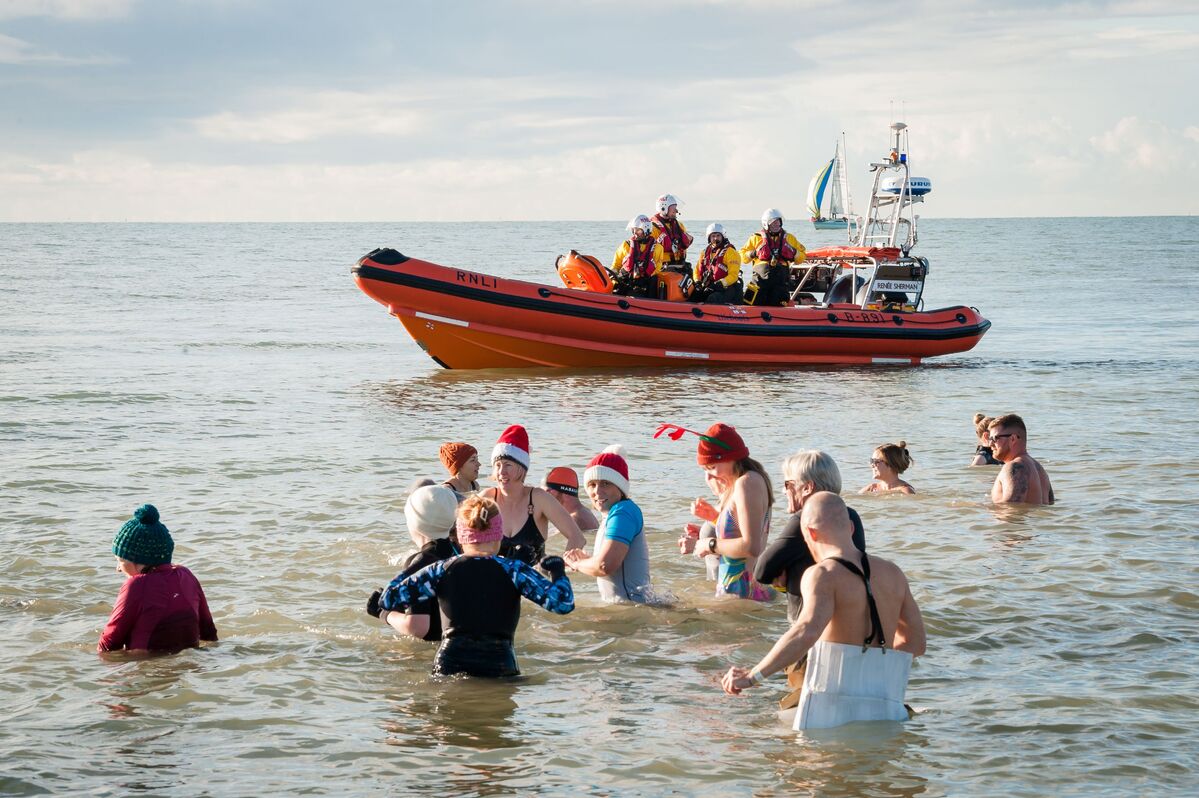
715 227
640 222
665 201
769 215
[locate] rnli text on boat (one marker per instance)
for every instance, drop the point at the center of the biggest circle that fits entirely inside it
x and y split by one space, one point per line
478 279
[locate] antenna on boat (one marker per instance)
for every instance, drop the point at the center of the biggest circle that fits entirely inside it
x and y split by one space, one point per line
899 150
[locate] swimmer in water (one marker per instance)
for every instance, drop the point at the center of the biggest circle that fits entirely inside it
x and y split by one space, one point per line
563 484
785 560
743 519
161 607
620 562
461 460
1022 479
888 462
527 511
860 629
430 512
479 595
982 453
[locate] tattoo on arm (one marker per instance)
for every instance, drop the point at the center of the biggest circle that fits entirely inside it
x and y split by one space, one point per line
1018 481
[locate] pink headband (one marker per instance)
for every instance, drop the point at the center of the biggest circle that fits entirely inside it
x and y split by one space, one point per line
493 532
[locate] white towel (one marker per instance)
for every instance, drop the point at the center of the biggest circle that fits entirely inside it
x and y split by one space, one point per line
845 684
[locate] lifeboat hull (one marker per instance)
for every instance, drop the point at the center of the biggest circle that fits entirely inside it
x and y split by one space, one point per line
471 320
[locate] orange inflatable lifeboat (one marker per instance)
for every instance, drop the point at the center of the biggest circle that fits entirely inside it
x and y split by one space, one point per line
467 319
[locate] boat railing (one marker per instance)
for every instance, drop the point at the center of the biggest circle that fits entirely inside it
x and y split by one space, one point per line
877 283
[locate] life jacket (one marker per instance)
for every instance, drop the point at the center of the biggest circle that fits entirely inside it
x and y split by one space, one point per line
711 262
673 240
783 251
639 262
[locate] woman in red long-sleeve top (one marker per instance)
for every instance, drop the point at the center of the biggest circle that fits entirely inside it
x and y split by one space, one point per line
161 607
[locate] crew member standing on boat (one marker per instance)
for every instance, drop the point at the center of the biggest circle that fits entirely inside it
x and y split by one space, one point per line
717 273
771 252
670 232
638 260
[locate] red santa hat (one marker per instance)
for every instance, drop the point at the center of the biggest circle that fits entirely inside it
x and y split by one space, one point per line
609 465
721 443
513 444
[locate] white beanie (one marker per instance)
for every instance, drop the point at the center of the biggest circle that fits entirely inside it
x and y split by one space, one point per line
431 511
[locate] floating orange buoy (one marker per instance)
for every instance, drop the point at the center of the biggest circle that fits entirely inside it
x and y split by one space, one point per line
584 273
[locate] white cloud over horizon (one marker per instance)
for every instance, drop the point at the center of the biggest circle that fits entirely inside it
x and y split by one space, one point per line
193 112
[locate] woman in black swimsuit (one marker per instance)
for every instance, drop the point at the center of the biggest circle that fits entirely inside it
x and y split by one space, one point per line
527 511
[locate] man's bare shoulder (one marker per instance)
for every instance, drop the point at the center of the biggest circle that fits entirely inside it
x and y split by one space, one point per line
885 568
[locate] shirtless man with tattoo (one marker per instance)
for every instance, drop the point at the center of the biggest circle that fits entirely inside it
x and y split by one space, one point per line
1021 480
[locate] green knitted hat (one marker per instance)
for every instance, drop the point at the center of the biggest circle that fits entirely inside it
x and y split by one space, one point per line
143 539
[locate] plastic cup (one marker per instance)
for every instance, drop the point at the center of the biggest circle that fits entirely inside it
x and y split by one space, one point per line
692 531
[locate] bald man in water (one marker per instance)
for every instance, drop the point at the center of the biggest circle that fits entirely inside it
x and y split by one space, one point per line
848 598
1021 480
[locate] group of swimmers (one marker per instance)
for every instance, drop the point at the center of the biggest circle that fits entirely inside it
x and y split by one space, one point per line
854 625
657 245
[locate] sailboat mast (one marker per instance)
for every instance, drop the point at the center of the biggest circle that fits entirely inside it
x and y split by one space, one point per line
845 179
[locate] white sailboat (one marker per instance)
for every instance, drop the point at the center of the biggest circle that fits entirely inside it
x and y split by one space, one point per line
833 180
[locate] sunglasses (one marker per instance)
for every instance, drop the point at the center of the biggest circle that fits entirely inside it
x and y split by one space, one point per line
1004 435
875 461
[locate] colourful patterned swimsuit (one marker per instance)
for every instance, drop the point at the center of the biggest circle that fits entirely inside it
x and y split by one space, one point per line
733 579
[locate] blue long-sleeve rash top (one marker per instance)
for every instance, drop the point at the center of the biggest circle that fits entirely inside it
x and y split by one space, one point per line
556 596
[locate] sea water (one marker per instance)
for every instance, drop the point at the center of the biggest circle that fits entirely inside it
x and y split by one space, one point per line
234 376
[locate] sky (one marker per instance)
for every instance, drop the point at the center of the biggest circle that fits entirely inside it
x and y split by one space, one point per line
394 110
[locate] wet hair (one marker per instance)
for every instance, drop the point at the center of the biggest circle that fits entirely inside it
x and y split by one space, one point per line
981 423
1010 420
477 511
815 466
896 455
747 464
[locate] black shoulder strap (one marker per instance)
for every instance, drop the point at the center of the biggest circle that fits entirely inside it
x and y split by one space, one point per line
876 624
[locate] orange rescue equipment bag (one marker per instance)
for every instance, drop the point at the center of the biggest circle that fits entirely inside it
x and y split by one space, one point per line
674 286
584 273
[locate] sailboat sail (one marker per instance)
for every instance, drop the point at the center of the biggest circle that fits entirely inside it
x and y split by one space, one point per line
837 201
816 189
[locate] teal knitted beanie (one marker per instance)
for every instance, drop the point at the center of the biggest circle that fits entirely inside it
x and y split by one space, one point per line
143 539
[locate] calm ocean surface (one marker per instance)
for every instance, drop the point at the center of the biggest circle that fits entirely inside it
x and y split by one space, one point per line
234 376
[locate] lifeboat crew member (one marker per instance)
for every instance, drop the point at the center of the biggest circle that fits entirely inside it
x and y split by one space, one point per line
478 594
771 252
638 260
669 231
717 273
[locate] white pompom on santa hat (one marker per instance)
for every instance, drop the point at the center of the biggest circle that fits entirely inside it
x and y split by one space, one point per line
609 465
513 444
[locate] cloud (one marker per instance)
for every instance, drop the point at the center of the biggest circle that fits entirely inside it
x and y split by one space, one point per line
1131 42
65 9
320 115
1147 145
15 51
